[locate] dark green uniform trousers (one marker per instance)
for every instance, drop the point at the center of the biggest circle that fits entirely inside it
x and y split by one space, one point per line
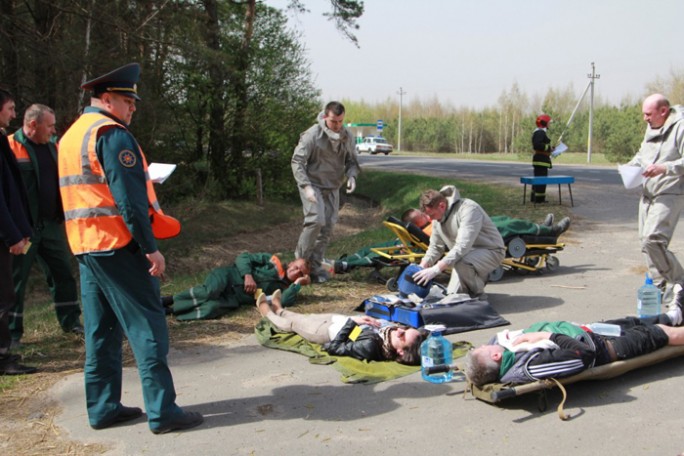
121 298
48 246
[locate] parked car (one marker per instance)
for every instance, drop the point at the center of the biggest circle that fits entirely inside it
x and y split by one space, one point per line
374 145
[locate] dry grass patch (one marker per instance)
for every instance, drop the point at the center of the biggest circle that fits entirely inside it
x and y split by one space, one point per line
28 424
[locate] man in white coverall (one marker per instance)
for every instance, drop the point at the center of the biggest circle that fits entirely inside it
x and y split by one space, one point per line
466 236
661 159
324 158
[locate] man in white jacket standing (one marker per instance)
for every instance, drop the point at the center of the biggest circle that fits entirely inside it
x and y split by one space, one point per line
322 161
661 157
466 236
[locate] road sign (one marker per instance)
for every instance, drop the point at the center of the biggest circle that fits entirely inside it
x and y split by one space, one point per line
380 125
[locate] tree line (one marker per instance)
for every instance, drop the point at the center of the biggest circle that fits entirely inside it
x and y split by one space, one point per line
434 126
227 89
226 86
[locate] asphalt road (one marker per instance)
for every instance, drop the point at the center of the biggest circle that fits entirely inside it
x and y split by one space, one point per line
259 401
498 171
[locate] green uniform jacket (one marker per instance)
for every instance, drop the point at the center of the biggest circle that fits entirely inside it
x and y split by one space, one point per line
30 174
224 288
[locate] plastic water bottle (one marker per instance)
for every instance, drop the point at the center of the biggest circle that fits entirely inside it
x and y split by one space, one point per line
436 350
648 299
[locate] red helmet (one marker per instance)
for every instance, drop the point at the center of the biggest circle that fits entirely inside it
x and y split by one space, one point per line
543 121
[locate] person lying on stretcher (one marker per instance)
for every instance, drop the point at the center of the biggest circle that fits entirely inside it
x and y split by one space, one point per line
361 337
507 226
561 349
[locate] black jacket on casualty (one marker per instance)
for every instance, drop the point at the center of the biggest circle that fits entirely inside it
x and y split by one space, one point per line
366 346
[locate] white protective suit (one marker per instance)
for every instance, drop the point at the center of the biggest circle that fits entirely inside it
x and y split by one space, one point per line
323 160
662 199
472 244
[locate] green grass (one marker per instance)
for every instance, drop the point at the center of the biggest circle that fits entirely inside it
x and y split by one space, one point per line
568 158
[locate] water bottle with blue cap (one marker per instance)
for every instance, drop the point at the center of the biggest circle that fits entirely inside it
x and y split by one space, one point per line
436 350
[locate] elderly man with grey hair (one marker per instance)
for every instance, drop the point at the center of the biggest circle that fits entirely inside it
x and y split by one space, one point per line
661 157
36 154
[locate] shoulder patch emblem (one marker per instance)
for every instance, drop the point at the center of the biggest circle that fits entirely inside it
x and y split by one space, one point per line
127 158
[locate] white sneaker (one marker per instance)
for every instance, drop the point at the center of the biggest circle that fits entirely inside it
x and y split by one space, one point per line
678 300
676 307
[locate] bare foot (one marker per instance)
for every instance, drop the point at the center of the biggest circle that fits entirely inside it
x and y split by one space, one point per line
262 305
276 304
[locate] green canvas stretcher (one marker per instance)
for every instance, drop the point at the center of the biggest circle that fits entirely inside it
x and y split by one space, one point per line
497 392
352 370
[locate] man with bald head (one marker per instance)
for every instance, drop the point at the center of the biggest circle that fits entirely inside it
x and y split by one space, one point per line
661 157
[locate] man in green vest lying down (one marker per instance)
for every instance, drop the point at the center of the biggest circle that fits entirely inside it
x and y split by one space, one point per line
228 287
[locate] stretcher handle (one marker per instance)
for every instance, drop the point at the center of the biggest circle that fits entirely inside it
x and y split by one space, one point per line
503 394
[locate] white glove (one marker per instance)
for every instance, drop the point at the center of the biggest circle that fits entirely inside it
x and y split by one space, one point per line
424 276
310 193
351 184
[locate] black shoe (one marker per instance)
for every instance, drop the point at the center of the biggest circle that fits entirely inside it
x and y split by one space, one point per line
10 366
124 414
185 421
78 329
167 301
548 221
341 267
562 226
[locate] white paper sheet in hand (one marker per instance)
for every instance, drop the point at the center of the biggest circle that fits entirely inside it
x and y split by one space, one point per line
159 172
559 149
631 175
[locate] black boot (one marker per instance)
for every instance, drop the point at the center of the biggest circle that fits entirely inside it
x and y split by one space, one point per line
9 365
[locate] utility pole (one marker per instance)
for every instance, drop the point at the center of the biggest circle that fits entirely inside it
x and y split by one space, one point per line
593 76
401 102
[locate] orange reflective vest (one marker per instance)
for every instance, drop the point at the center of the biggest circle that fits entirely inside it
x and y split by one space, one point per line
92 220
19 150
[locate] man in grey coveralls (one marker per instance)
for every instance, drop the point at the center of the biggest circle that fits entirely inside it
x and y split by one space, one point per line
324 158
463 238
661 159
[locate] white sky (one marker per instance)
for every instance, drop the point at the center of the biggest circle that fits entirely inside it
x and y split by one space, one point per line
468 52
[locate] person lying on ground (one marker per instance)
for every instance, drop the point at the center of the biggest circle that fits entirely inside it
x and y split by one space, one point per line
228 287
360 337
507 226
561 349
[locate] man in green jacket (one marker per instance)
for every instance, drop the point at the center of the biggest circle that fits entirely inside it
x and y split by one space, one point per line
228 287
37 159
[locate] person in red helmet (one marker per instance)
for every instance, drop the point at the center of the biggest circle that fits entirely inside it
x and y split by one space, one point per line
541 160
